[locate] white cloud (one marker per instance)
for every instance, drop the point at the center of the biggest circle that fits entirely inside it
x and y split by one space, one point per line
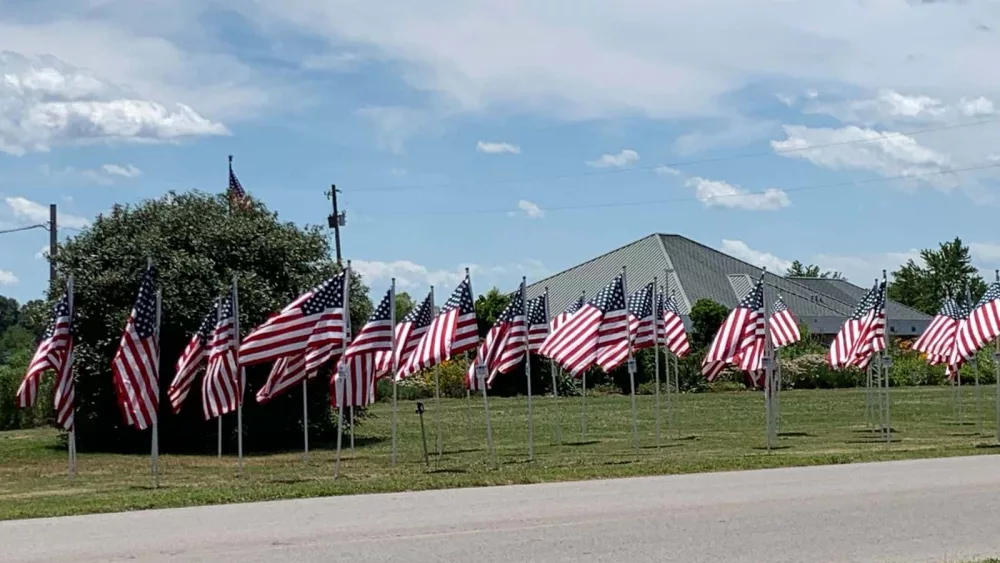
342 62
43 253
45 102
7 278
408 274
27 211
976 107
497 148
740 249
734 132
411 276
530 209
623 158
887 154
394 125
127 171
858 269
666 171
716 193
894 109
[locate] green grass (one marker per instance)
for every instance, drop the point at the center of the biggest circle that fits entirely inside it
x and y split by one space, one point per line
714 432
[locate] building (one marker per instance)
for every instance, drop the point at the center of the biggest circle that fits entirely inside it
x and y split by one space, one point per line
695 271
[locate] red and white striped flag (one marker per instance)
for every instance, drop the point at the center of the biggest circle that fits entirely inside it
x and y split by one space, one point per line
136 365
191 360
407 335
55 352
359 361
641 324
675 337
286 373
863 334
592 333
561 318
313 325
452 332
982 325
939 340
504 347
221 389
538 321
783 325
740 339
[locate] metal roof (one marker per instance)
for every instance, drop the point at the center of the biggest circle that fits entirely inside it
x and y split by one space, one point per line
697 271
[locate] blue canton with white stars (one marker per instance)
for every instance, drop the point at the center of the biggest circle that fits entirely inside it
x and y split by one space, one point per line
421 316
640 303
536 311
871 301
992 294
461 299
513 309
144 321
575 306
612 297
383 311
208 323
778 306
59 311
329 295
755 299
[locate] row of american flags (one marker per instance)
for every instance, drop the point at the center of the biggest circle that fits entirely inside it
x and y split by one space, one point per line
314 330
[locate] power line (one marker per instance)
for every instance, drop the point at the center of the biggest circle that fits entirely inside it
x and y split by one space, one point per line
679 164
710 198
19 229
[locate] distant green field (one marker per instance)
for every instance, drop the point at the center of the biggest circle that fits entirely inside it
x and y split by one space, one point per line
712 432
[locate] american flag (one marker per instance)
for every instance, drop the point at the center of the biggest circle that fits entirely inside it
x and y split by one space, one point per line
675 337
313 325
592 332
983 324
784 327
407 334
504 346
286 373
55 352
191 359
640 326
452 332
236 194
357 389
863 334
538 321
938 339
360 357
221 388
136 365
561 318
740 339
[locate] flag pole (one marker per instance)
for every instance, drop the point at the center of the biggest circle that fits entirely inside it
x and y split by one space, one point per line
677 398
555 380
672 400
631 369
468 404
437 394
305 418
347 340
71 443
974 363
656 354
481 374
218 319
242 377
155 446
583 386
338 384
393 363
527 372
886 358
767 360
996 362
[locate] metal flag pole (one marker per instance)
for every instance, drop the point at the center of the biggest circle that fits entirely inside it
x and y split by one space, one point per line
583 387
656 355
996 361
631 371
675 411
673 395
71 443
437 396
557 427
481 374
338 385
767 361
392 350
527 372
777 391
349 384
155 446
887 359
305 419
348 335
243 374
974 363
218 320
468 411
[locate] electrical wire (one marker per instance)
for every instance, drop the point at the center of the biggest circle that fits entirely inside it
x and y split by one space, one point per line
19 229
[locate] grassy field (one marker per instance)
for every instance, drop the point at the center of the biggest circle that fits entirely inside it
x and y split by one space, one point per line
711 432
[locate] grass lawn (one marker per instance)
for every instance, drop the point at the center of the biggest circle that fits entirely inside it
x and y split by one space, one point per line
713 432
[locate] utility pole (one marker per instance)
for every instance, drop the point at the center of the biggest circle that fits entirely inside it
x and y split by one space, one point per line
336 221
53 242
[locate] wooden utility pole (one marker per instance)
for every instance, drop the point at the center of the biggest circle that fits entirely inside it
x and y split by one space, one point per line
336 221
53 241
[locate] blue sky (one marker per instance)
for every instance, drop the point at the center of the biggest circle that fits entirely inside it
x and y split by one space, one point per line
516 138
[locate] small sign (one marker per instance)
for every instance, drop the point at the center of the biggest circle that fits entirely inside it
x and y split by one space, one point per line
481 371
996 357
631 365
342 370
765 362
887 361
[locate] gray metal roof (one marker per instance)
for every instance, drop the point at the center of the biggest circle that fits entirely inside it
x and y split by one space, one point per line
698 272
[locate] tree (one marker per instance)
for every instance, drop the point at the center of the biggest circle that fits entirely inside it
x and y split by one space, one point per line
706 318
404 304
9 309
946 272
198 246
488 309
798 269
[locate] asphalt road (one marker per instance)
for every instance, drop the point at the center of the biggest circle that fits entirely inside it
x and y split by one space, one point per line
913 511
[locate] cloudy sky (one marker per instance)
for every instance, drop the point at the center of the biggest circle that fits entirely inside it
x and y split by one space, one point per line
515 138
